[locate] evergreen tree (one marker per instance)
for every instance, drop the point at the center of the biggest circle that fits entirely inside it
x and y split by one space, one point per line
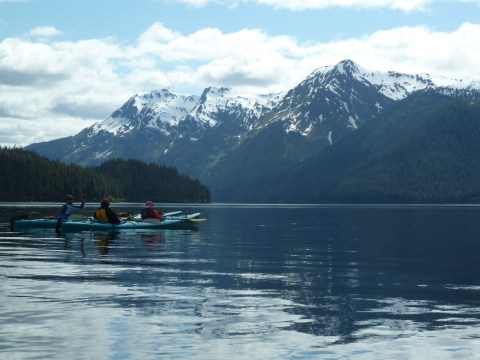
27 176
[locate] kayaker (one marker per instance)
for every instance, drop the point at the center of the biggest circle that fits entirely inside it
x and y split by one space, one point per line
149 211
105 214
68 209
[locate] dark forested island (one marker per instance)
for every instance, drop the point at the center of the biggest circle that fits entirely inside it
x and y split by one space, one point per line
26 176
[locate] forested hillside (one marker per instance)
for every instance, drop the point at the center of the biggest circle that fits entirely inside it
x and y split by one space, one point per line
138 180
26 176
426 150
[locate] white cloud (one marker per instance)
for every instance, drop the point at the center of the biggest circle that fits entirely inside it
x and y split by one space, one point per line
57 88
54 89
296 5
45 32
251 58
417 50
244 58
20 132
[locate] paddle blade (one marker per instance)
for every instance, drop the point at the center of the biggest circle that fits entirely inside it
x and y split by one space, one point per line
197 220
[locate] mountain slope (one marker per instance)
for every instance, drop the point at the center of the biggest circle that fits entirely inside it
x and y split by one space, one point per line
330 103
246 148
164 127
424 150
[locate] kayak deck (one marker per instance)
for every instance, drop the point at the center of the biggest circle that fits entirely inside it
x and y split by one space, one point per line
44 223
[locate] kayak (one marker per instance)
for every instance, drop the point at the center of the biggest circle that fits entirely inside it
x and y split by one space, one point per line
22 222
170 222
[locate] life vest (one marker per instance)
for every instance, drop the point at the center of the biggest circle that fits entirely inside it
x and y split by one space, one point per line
146 213
101 215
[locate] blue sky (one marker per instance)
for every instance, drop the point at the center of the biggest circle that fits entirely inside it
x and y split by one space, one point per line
65 64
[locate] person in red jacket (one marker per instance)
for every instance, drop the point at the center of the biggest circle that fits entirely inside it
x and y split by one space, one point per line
149 212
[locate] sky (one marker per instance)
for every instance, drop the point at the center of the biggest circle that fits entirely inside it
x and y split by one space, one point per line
66 64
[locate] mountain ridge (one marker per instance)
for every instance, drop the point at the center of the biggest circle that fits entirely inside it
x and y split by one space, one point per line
220 134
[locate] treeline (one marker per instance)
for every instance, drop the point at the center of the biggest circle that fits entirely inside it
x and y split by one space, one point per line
26 176
137 180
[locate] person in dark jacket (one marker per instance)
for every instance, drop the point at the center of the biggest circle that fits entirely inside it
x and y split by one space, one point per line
105 214
68 209
149 211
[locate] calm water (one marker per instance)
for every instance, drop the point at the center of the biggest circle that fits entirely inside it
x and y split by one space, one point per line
253 282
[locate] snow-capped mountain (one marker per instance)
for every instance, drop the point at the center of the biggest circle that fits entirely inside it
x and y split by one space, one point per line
164 111
152 125
334 100
331 101
158 110
200 133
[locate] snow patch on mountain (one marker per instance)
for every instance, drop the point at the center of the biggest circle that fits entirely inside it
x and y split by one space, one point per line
329 137
113 125
155 110
394 85
164 109
215 100
352 123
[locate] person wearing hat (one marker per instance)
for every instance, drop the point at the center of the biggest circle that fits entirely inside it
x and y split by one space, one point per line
68 209
149 211
105 214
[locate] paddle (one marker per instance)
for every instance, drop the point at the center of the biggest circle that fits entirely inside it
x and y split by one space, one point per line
197 220
138 217
172 213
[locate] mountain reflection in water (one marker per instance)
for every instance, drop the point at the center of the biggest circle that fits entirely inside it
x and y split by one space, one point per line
257 282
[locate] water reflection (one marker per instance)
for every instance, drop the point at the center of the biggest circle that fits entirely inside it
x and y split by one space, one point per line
103 241
330 283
